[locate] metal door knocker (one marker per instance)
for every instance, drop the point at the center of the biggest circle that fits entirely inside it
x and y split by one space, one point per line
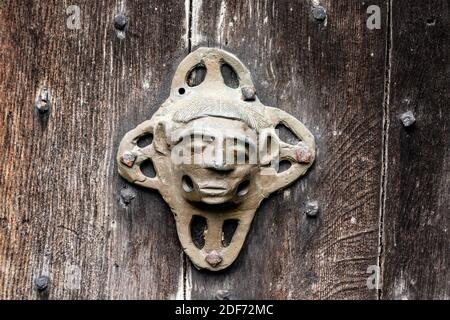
215 151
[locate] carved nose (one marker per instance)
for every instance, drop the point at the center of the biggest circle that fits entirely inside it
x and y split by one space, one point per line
221 166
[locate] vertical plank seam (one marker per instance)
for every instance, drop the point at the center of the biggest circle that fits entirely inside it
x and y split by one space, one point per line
184 266
189 31
385 146
189 38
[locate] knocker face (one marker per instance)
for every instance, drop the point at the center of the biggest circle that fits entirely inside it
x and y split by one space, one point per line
217 169
216 152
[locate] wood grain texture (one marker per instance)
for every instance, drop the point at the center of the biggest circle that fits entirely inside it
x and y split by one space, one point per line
417 209
330 76
62 203
60 213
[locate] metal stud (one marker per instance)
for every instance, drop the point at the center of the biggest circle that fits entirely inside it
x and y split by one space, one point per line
120 22
407 119
41 283
213 258
312 209
248 93
43 102
319 13
128 159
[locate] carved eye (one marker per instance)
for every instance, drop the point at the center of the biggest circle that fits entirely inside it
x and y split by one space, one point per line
240 155
241 152
198 147
208 139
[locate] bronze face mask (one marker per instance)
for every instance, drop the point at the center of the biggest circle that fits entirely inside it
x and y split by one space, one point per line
215 151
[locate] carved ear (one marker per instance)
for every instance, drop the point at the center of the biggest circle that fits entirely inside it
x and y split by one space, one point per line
130 156
160 140
269 149
300 156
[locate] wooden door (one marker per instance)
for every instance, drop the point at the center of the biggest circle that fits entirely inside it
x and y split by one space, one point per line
382 188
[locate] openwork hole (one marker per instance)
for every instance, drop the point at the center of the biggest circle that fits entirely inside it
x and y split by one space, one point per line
199 225
286 135
243 188
228 230
230 78
196 76
269 144
148 169
187 184
284 165
145 140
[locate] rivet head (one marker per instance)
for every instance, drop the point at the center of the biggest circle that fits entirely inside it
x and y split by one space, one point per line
120 22
407 119
128 159
319 13
126 196
223 295
303 153
213 258
312 208
41 283
43 102
248 93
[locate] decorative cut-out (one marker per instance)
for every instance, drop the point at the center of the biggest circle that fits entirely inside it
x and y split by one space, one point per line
230 78
196 76
216 155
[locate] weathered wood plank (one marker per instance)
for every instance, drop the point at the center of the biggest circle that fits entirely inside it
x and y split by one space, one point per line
416 219
329 75
60 214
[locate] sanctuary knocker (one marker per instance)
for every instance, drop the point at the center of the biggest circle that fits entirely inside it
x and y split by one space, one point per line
216 154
